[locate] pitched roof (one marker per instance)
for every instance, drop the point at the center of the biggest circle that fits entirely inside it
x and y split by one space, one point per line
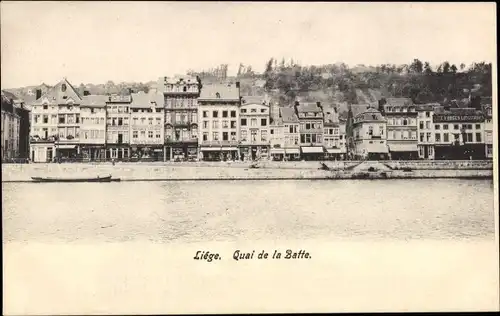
253 99
60 94
226 92
308 107
288 115
359 108
178 79
426 107
94 100
146 100
370 115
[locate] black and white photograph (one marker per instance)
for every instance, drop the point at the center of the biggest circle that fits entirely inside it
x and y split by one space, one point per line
248 157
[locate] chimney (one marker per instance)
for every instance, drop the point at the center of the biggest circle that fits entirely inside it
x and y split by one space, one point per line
86 92
38 94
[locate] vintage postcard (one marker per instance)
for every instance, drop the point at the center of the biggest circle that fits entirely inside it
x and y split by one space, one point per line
248 157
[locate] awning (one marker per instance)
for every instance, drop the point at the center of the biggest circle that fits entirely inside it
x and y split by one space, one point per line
210 148
229 148
334 150
277 151
65 146
292 150
377 148
403 147
313 150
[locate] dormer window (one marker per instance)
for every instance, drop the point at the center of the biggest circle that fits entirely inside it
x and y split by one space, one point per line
63 87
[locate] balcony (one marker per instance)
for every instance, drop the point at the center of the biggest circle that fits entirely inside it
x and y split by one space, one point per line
220 143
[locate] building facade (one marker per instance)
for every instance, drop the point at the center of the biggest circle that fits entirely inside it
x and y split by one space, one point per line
369 135
459 134
401 117
181 117
118 127
254 128
488 131
11 122
277 139
426 131
291 133
93 127
147 126
55 132
311 130
333 138
218 114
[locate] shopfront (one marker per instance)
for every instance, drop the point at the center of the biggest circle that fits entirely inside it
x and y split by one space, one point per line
460 152
182 152
219 153
118 153
277 154
252 153
292 154
66 152
93 152
313 153
403 151
335 154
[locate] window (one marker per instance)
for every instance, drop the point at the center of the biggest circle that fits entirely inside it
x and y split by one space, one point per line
405 122
225 136
215 136
428 137
215 114
438 137
478 137
150 120
253 122
446 138
205 113
217 95
427 114
205 124
233 136
263 134
233 113
242 111
467 137
62 119
456 126
437 126
478 126
215 124
445 126
263 122
143 134
243 122
381 130
370 130
253 110
150 134
224 113
63 87
120 121
428 125
421 137
205 136
135 134
45 119
225 124
421 125
244 135
158 134
262 110
233 124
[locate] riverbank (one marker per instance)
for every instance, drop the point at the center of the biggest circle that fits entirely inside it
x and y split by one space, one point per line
170 171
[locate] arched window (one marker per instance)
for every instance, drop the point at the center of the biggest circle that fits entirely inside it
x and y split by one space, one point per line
63 87
217 95
405 122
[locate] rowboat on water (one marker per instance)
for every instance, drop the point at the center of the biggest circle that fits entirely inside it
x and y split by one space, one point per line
106 178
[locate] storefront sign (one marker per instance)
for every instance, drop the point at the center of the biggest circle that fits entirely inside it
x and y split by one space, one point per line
440 118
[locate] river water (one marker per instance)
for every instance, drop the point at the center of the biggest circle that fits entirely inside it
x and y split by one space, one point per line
163 212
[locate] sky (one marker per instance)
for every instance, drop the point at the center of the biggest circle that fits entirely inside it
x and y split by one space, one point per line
93 42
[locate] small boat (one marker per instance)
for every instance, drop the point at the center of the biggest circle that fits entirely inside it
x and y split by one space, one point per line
107 178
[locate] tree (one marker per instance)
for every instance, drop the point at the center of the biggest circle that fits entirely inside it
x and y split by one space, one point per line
462 66
416 66
453 68
269 66
240 67
427 68
446 67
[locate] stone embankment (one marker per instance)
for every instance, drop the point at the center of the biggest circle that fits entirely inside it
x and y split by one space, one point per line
243 171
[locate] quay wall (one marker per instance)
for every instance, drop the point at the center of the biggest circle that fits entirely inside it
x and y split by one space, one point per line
237 170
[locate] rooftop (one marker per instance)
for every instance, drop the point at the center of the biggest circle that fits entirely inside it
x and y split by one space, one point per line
309 107
399 101
61 93
288 115
369 114
94 100
226 92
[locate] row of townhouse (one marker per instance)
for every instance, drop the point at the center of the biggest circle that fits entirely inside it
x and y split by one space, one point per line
15 128
180 120
399 129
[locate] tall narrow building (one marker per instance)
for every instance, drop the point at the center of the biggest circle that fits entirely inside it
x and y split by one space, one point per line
181 117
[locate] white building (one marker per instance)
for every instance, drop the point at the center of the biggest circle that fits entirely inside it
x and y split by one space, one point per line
254 128
93 127
369 135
